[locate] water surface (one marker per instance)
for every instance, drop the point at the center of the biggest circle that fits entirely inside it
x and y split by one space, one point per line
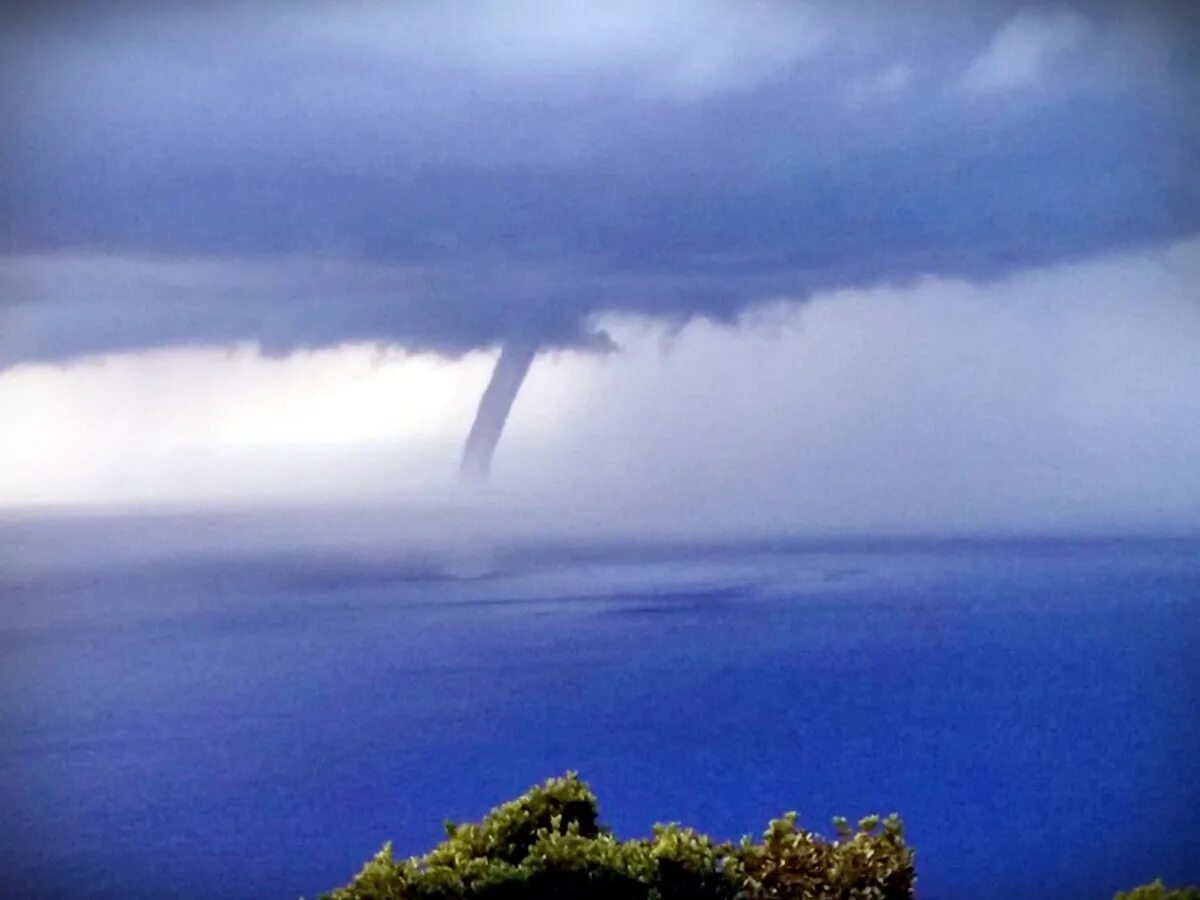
228 719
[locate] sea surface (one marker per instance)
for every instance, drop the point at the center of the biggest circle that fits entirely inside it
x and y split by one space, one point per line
190 709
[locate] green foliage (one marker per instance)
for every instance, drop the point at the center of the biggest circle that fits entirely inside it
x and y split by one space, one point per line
549 844
793 864
1158 891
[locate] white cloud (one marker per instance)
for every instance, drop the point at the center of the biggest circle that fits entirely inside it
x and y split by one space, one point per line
678 49
190 424
1021 51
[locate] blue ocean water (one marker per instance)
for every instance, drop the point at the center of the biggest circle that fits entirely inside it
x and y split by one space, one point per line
232 722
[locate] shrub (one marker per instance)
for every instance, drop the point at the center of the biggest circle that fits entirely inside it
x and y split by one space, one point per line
792 864
549 843
1158 891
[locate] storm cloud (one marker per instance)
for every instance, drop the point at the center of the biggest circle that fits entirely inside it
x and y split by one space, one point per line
451 176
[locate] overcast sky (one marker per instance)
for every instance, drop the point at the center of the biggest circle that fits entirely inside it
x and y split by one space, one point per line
814 264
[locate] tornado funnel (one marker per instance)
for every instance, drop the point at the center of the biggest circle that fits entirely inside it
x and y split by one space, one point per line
515 358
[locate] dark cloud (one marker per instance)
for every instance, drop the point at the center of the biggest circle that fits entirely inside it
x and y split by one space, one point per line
446 176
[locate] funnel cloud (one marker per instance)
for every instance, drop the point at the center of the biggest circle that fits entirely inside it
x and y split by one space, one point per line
512 366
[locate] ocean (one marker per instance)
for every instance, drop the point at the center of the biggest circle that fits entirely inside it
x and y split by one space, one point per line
189 710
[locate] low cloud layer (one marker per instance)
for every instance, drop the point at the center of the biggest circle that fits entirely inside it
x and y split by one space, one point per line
1066 398
446 177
